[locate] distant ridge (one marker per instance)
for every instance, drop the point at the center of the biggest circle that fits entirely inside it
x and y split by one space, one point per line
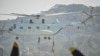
69 8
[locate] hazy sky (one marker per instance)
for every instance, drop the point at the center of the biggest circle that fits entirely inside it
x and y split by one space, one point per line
35 6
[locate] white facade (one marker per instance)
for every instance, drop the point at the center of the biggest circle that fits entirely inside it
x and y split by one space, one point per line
26 34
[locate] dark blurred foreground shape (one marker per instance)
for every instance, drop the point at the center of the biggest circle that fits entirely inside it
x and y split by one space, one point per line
75 52
15 50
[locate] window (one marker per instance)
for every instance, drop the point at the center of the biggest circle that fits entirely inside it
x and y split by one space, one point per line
43 21
45 37
14 26
31 21
21 27
29 27
21 21
49 38
48 27
38 16
11 29
17 38
38 27
1 52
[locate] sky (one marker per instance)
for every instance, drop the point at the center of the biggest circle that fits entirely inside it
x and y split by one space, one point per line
36 6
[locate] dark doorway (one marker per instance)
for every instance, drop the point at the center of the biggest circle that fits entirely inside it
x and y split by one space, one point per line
15 50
